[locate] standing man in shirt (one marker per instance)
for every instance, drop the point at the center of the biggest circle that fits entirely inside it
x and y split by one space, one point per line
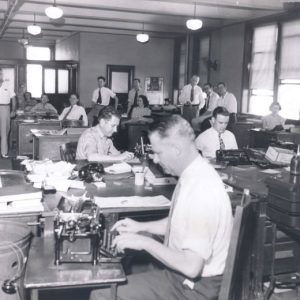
95 143
133 95
196 240
211 103
192 99
6 97
216 137
101 98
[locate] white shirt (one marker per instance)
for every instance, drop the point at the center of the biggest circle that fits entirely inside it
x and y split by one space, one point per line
5 94
106 94
270 121
208 142
213 101
229 102
202 217
185 95
75 114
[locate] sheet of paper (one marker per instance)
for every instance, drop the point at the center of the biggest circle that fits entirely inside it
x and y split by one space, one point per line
271 171
134 201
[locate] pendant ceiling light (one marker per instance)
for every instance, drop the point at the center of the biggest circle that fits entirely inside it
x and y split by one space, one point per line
194 23
54 12
142 37
34 29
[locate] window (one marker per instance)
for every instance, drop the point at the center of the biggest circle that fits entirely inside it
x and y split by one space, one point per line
34 74
38 53
49 81
182 64
289 74
262 69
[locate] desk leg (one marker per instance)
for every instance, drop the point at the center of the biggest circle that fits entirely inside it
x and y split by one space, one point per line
34 294
113 291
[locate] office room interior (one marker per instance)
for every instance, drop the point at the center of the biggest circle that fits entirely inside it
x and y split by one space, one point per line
147 57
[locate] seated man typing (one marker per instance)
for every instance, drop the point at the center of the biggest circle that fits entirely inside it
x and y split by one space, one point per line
216 137
95 144
196 239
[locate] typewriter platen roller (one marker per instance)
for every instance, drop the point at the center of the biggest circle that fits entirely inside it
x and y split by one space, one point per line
82 235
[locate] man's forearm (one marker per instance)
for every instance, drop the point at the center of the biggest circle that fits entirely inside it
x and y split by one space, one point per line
155 227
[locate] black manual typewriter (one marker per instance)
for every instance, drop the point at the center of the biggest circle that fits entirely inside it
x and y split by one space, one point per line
82 234
233 157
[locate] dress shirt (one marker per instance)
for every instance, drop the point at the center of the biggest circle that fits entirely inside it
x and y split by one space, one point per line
201 220
91 141
106 94
75 114
40 107
131 96
229 102
6 94
212 101
185 95
208 142
270 121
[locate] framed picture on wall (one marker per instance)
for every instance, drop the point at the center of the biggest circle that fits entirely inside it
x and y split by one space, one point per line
154 88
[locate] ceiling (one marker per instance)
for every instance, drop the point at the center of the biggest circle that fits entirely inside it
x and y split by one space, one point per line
161 18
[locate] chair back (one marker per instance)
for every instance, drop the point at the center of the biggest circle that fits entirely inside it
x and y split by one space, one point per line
68 151
236 277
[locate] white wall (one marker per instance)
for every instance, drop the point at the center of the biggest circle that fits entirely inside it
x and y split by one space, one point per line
227 46
98 50
68 49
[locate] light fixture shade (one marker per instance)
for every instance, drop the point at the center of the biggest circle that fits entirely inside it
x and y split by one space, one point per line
34 29
194 24
54 12
142 37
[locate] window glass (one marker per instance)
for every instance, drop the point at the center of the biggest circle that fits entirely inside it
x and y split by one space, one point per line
34 74
63 81
203 59
38 53
49 81
182 64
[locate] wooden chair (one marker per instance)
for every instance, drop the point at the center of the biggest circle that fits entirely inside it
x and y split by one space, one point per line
68 151
236 278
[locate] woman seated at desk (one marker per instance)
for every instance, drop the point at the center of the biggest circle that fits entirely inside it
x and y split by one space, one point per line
44 106
142 110
274 119
74 111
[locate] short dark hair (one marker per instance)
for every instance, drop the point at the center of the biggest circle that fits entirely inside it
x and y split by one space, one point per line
137 79
223 83
107 113
145 100
208 84
275 103
75 94
28 93
101 77
220 110
164 127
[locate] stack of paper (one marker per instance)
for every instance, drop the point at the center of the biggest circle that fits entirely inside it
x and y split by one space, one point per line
118 168
20 198
133 201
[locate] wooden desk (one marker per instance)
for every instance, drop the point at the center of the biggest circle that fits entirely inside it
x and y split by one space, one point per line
42 273
25 139
261 138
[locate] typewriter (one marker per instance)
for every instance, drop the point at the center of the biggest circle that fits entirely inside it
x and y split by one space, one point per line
82 234
233 157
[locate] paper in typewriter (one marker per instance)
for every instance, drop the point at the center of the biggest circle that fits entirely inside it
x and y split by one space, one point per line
133 201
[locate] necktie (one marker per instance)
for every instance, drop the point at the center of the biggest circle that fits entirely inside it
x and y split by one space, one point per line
192 94
68 112
173 204
222 145
99 100
207 102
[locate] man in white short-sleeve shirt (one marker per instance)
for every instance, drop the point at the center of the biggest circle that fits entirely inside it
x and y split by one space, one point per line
216 137
6 97
226 99
101 98
197 230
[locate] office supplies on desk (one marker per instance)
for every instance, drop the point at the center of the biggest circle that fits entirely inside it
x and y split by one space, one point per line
118 168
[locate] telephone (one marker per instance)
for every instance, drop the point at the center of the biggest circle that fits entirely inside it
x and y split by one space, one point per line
91 172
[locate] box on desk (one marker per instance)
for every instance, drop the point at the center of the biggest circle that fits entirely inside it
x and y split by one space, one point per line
279 155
